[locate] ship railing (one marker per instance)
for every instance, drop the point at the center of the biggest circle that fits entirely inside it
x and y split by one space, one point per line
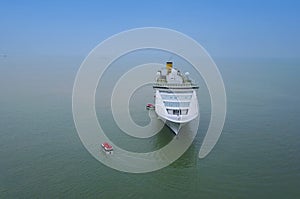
172 85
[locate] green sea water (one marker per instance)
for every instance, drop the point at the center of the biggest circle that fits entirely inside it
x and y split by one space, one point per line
257 155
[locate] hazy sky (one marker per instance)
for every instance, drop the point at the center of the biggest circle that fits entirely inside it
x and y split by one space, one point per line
224 28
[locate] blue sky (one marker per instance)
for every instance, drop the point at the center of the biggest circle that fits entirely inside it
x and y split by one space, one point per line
224 28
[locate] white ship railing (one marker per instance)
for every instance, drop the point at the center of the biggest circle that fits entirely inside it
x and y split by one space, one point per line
170 85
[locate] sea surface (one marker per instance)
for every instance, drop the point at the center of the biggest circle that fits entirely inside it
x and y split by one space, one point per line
257 155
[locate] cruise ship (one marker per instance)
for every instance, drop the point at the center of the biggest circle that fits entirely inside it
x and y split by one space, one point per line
176 101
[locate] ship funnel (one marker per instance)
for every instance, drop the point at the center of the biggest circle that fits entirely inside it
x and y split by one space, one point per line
169 66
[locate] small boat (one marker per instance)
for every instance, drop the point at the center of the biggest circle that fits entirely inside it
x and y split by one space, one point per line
107 147
150 107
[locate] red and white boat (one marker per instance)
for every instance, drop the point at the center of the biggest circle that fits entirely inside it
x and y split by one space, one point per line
150 107
107 147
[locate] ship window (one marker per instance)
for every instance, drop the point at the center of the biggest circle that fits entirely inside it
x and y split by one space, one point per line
170 111
177 111
184 112
176 97
184 97
177 104
168 97
184 104
181 92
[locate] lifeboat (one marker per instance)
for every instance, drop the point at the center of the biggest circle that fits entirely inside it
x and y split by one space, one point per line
150 107
107 147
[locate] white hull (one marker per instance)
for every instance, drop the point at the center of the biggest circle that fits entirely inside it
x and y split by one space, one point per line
176 107
175 127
